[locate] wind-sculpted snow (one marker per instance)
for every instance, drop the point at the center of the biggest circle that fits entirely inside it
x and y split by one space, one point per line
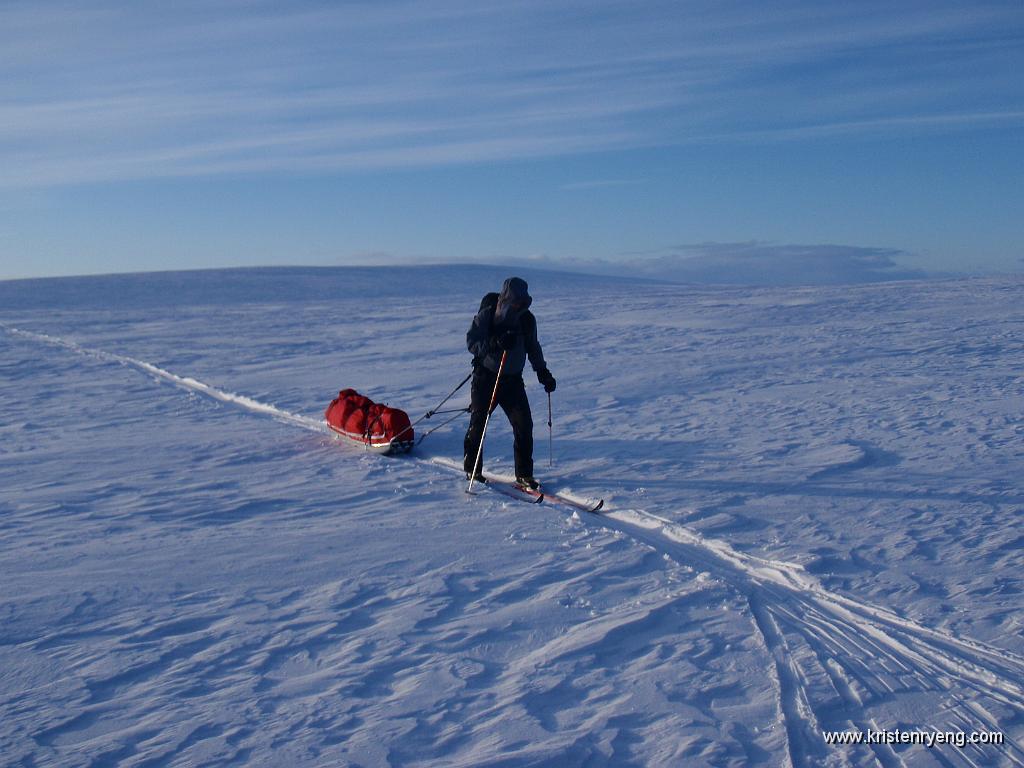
811 527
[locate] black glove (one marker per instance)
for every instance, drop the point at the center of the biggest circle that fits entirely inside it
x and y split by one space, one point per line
546 379
505 340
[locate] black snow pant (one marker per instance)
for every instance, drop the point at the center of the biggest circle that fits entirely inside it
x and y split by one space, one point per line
512 399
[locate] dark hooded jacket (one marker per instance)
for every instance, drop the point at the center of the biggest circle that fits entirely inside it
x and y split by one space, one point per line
511 313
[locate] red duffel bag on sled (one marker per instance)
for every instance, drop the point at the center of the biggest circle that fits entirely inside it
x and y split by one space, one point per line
376 427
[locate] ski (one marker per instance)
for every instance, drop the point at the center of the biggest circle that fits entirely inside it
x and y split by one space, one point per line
511 490
566 501
531 496
592 509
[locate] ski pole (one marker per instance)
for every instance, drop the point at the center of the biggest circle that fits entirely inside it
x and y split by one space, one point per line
490 410
551 451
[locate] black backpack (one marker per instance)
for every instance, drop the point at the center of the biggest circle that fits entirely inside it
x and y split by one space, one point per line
489 300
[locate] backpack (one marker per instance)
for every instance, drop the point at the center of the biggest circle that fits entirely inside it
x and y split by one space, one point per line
490 300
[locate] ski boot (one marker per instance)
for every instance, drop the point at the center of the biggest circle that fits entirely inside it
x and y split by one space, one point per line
529 482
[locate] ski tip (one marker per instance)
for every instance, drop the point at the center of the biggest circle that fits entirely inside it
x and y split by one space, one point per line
598 508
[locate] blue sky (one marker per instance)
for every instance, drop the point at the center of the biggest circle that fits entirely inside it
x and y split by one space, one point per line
697 139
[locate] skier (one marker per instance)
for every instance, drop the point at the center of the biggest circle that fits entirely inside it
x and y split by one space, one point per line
504 324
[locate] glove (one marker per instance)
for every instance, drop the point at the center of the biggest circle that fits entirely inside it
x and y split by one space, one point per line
505 340
546 379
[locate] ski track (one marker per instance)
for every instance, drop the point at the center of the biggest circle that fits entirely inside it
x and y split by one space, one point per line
184 382
833 656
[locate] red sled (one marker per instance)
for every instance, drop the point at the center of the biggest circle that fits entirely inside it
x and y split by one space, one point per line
376 427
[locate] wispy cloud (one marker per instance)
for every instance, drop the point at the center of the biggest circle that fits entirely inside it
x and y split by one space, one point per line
105 90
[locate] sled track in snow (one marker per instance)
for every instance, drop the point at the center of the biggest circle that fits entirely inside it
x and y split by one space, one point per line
837 661
184 382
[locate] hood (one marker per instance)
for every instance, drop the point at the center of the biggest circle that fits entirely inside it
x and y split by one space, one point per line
513 300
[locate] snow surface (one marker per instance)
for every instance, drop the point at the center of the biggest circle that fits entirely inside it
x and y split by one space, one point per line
814 524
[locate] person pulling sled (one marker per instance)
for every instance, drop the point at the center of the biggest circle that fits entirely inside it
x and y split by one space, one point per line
502 337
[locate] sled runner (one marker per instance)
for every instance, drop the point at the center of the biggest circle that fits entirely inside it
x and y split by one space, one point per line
376 427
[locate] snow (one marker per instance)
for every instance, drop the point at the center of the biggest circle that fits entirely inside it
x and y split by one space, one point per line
813 524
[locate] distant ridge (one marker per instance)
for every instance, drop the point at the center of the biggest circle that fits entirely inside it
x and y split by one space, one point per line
254 285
